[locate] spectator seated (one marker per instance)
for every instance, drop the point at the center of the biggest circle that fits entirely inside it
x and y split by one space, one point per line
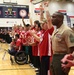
16 51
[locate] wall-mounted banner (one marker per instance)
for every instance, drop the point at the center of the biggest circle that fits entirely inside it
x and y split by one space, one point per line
11 11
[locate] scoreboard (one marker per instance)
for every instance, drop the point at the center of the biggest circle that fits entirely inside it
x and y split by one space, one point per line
14 11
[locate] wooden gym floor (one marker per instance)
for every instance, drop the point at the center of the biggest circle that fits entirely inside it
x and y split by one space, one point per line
7 69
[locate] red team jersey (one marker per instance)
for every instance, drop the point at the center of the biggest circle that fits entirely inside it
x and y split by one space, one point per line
26 37
22 34
45 43
35 49
17 31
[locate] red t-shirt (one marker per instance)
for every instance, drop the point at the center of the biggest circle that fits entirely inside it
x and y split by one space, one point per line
26 37
35 49
22 34
17 31
19 44
45 44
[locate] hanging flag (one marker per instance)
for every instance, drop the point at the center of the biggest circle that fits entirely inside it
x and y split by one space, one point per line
37 11
67 17
62 11
68 20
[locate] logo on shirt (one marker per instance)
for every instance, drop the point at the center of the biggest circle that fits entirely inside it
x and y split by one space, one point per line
59 37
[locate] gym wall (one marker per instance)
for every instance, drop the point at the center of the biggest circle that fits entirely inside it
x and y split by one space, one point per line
53 7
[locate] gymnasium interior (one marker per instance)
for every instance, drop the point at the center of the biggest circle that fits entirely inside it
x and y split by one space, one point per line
18 13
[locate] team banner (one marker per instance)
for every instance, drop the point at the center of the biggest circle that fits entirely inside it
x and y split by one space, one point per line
17 11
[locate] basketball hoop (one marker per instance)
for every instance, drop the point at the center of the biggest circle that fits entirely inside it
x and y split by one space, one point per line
43 2
36 1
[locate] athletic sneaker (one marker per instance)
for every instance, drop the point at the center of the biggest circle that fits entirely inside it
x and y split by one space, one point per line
36 70
31 65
